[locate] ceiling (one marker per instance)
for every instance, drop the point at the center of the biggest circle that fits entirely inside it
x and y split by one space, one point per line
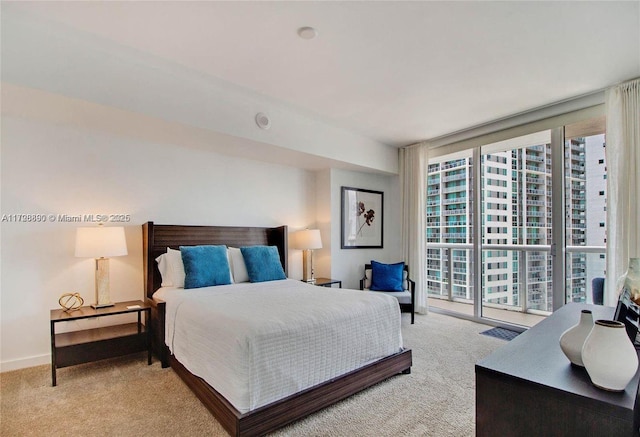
396 72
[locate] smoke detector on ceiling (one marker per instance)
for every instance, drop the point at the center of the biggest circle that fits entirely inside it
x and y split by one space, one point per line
263 121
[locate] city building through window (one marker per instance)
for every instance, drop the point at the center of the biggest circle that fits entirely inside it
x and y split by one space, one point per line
515 202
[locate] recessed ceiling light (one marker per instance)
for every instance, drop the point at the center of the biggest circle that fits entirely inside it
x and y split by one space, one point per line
307 32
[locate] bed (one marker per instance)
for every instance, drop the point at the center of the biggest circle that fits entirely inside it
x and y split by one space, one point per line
274 414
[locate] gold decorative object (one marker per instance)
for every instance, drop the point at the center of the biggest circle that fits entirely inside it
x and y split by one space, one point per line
71 301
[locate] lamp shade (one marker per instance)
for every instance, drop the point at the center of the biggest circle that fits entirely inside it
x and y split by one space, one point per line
308 239
100 242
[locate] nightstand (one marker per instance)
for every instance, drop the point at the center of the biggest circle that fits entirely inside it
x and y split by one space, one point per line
327 282
76 347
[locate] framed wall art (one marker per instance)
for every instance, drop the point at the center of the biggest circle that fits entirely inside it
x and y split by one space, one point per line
362 218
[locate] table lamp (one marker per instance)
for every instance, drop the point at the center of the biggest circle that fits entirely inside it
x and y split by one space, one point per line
101 242
308 240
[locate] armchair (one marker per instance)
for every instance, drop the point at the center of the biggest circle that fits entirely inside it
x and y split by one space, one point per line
406 298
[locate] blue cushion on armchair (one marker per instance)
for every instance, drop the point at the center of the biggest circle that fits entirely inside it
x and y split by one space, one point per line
386 277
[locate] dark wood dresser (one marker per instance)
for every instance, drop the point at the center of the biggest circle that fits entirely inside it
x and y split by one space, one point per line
529 388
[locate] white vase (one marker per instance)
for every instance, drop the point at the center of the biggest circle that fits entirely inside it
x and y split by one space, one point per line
631 279
609 356
572 340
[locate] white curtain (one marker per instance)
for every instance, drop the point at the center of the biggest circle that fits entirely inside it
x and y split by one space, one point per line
623 183
413 174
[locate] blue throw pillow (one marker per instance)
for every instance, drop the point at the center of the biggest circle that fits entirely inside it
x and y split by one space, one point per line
386 277
205 266
263 263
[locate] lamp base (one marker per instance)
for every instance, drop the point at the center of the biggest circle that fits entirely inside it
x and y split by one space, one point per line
101 305
102 284
307 266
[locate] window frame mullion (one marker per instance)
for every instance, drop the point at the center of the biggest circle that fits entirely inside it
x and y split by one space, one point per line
477 237
558 253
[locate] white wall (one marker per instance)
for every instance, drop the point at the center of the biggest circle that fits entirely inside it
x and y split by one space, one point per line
322 257
54 169
347 265
92 127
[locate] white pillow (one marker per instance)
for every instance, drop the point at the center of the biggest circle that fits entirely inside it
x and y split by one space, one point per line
163 266
171 268
238 267
230 266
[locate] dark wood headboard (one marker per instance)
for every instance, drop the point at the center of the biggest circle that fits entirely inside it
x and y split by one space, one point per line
156 239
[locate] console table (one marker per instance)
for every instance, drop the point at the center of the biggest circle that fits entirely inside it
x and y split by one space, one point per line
529 388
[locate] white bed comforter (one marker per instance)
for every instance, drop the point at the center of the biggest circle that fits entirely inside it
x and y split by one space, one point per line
257 343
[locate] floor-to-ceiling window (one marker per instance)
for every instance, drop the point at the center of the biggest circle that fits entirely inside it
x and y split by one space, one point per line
513 187
450 272
585 207
516 196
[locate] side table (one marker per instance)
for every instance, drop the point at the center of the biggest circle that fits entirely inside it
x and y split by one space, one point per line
328 282
76 347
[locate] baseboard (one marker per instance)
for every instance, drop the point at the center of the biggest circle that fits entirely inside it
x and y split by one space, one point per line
6 366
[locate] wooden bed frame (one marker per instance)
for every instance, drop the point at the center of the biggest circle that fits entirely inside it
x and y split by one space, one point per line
156 239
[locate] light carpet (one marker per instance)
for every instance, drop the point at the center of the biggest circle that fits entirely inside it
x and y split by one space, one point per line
124 396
